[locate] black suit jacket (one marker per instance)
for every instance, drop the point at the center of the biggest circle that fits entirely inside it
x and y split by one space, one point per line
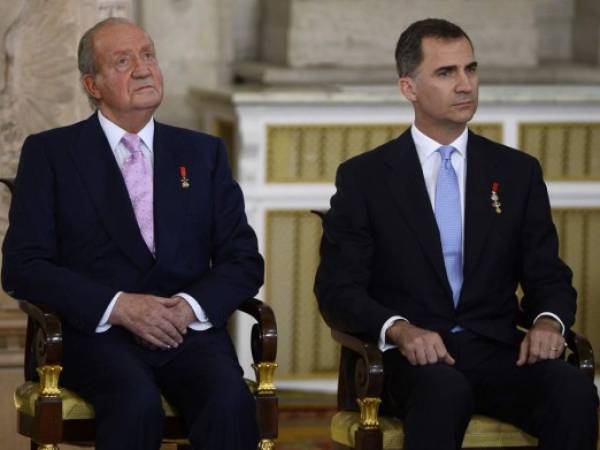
381 253
73 240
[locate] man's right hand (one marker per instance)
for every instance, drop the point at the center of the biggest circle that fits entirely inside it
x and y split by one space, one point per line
148 317
418 345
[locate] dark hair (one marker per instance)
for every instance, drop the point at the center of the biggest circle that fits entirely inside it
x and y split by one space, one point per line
409 49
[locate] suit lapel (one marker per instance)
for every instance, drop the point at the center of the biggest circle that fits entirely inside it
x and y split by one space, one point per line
101 175
479 213
170 198
407 185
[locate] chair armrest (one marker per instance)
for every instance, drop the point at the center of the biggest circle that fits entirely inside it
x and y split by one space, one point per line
368 374
44 335
582 355
264 333
10 183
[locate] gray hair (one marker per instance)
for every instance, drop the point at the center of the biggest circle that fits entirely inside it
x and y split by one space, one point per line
86 61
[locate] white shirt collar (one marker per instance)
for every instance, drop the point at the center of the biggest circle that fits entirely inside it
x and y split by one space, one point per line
114 133
427 146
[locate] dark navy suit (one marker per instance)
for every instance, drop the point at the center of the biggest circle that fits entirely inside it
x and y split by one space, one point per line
73 243
381 256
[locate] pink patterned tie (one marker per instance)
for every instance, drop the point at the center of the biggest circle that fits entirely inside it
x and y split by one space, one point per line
138 178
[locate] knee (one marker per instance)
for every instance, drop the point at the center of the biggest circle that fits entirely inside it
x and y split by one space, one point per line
236 398
577 393
448 389
570 391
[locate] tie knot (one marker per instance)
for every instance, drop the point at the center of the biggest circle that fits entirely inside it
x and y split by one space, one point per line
446 151
132 142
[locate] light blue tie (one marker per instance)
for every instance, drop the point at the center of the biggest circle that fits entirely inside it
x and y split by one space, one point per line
449 220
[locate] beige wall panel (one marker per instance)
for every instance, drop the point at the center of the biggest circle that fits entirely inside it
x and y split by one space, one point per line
594 151
280 283
579 235
312 153
305 344
306 339
334 143
567 151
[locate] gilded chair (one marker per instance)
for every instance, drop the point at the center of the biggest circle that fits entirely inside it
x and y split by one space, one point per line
357 424
50 415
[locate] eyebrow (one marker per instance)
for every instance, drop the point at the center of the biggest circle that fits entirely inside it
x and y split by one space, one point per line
471 65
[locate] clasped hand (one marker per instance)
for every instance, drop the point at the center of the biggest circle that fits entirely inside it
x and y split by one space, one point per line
157 322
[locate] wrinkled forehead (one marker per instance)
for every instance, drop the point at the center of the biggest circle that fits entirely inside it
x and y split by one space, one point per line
118 37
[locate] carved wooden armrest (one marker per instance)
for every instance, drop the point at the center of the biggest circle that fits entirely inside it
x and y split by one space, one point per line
582 355
264 351
44 336
264 333
9 182
368 376
43 355
264 344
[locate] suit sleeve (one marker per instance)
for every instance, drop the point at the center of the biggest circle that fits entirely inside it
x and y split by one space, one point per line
236 271
544 277
31 270
344 273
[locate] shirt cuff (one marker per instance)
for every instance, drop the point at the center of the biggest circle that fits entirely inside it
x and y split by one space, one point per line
202 323
382 344
555 317
103 325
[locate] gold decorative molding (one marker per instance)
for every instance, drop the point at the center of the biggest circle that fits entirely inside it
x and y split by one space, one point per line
266 444
567 151
48 447
49 376
226 129
291 259
311 153
369 412
493 131
264 377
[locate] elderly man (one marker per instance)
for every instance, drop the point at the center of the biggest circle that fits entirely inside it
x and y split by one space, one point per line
135 232
426 241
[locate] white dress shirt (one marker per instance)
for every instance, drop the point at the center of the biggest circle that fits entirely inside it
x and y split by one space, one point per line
430 164
114 134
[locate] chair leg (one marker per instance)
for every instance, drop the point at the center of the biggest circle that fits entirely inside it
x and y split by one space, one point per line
365 439
35 446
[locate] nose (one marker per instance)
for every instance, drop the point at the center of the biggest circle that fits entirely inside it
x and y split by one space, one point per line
140 69
464 82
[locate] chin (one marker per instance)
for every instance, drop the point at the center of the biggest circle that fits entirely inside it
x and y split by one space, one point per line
147 102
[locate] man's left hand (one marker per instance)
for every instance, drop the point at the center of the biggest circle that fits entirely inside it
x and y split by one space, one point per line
543 341
183 315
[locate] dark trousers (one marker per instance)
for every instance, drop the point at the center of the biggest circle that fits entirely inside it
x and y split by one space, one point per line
550 399
124 381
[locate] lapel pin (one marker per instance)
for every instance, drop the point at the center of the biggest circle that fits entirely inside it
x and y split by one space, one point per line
495 198
185 181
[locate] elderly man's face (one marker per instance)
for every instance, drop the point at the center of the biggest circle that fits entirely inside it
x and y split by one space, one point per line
128 78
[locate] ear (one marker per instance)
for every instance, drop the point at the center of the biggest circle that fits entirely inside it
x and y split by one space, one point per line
408 88
89 84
